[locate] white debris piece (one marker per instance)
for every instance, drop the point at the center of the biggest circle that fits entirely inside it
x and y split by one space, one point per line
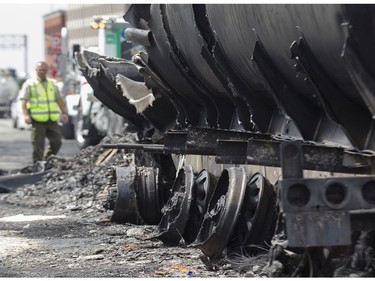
137 93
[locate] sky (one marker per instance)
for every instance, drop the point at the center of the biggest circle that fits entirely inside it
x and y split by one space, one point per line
24 19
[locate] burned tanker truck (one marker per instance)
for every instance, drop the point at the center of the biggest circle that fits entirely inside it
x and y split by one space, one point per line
253 120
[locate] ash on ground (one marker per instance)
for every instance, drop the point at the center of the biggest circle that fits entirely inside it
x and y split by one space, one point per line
74 237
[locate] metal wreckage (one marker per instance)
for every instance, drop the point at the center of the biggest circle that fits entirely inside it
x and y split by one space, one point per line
253 120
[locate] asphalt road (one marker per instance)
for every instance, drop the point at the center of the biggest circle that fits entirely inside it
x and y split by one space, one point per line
16 149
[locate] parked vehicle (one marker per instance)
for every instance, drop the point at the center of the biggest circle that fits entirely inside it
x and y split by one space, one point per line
85 130
69 89
17 115
8 91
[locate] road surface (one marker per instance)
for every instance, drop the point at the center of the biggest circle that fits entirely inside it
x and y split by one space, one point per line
16 149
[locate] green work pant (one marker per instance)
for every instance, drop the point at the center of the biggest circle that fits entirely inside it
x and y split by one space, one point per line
39 132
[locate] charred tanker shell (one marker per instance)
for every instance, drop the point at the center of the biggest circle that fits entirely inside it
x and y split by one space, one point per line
105 88
235 90
9 183
102 75
278 37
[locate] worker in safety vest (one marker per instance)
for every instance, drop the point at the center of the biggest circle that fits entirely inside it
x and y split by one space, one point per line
43 106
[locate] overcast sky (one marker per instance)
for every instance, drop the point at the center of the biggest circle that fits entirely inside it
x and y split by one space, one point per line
20 19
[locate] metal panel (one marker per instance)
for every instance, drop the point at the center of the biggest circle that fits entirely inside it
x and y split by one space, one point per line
310 229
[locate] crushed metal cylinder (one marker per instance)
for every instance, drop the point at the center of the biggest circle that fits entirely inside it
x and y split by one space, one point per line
247 118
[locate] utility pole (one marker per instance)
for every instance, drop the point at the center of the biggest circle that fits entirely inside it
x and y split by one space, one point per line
25 51
64 55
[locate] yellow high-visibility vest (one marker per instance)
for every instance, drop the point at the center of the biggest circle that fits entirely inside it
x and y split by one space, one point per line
42 103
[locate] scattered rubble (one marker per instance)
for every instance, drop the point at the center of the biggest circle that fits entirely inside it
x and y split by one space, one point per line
77 238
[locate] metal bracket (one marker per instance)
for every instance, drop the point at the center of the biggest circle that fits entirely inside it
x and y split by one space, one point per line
317 210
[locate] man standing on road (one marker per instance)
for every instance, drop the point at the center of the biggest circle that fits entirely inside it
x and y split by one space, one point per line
41 105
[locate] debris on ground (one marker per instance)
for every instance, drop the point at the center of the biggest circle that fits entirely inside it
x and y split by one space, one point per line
76 238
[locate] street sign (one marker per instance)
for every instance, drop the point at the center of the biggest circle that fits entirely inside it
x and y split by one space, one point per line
12 41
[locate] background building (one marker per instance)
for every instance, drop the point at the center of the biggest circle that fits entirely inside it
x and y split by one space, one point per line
79 18
95 27
53 22
79 34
